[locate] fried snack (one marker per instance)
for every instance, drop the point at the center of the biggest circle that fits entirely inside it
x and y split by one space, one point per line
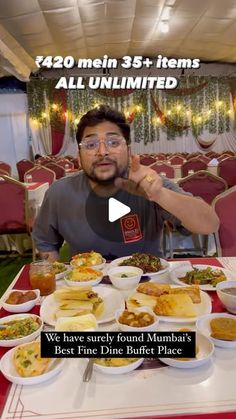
193 291
223 328
27 360
177 305
139 300
151 288
75 302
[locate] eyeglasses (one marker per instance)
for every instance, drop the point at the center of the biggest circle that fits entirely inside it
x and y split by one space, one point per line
112 143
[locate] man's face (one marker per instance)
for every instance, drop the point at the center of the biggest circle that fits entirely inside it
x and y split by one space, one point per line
104 163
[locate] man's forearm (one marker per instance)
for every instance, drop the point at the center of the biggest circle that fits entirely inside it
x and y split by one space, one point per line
195 214
50 256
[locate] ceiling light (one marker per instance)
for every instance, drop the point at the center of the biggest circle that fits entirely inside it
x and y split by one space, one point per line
164 27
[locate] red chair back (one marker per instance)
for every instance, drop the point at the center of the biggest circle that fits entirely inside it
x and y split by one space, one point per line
41 174
164 168
22 167
147 160
58 170
227 170
12 203
6 167
67 164
3 172
176 160
194 164
203 184
204 158
225 207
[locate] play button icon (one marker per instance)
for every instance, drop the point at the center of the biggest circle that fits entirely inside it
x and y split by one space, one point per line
116 209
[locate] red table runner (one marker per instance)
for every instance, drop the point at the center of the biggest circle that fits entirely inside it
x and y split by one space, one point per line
23 284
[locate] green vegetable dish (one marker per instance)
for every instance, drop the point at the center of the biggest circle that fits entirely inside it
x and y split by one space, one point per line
203 277
148 263
19 328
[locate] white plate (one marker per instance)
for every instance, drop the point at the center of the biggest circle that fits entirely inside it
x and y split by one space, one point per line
118 370
112 301
205 351
176 273
164 263
14 342
203 325
204 307
9 371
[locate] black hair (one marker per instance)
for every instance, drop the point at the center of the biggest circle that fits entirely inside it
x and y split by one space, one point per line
103 113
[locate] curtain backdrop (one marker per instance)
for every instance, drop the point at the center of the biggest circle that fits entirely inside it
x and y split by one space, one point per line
14 137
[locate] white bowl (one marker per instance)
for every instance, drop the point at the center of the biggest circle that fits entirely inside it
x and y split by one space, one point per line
21 308
125 283
229 301
10 373
206 349
126 328
98 267
18 341
119 370
90 282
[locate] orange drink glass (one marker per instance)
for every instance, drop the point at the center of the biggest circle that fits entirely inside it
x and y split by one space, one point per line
42 277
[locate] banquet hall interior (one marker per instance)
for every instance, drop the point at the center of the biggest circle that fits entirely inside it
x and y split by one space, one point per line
169 66
186 134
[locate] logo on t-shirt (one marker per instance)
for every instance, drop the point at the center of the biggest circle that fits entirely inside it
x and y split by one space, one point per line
130 228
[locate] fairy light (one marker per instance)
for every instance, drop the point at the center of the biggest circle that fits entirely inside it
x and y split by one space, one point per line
169 112
178 107
229 111
76 121
65 114
54 106
199 119
44 115
188 113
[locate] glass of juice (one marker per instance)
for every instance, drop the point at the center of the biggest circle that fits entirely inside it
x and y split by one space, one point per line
42 277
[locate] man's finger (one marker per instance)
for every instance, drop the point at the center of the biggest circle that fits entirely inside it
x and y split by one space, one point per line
135 163
129 186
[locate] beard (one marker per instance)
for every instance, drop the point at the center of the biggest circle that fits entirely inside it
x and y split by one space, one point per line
118 172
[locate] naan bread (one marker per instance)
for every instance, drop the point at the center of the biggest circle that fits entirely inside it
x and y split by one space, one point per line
193 291
27 360
139 300
177 305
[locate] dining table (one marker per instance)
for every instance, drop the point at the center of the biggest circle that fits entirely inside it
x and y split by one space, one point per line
154 390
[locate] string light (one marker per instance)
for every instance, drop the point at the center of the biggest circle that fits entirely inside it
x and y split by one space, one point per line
54 106
44 115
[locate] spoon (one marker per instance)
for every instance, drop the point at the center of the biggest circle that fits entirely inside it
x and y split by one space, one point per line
88 370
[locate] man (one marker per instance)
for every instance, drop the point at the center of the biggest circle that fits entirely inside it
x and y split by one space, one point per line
75 208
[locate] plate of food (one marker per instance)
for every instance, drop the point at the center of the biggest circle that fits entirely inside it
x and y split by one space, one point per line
60 269
23 365
171 303
102 301
88 259
19 328
20 301
83 275
206 276
204 351
220 328
151 265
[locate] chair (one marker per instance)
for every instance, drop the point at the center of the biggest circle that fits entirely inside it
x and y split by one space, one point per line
174 160
67 164
3 172
41 174
203 184
6 167
22 167
147 160
205 158
207 186
58 170
164 168
225 207
75 161
194 164
227 170
15 212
